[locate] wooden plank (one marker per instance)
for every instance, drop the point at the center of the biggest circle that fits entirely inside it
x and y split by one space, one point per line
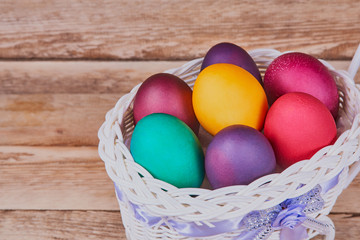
31 225
349 199
77 77
31 77
53 119
174 30
75 178
17 224
54 178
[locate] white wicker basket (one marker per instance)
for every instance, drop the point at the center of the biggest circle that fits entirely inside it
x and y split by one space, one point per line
153 209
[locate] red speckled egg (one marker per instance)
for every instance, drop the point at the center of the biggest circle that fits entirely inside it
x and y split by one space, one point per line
165 93
297 126
300 72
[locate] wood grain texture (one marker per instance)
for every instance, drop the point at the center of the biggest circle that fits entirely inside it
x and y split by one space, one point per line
53 119
29 77
38 111
54 178
174 29
72 77
53 184
38 225
75 178
349 199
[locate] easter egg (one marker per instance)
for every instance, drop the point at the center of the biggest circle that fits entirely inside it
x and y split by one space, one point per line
237 155
169 150
299 72
225 94
230 53
297 126
165 93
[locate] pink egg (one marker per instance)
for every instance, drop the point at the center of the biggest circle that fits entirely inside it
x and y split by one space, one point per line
165 93
299 72
297 126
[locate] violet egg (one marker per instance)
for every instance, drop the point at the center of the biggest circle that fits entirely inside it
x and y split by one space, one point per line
165 93
230 53
238 155
300 72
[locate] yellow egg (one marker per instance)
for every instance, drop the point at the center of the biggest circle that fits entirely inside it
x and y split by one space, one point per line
225 94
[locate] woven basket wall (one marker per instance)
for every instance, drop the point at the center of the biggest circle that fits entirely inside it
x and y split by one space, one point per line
167 202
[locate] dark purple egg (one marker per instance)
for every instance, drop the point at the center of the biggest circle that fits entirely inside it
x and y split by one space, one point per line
230 53
165 93
238 155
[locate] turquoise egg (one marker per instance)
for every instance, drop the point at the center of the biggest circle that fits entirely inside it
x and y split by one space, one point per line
167 148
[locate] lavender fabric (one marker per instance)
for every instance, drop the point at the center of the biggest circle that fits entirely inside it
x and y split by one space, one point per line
287 217
290 217
298 233
194 230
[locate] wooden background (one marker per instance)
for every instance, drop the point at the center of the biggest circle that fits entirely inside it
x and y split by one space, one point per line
64 64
